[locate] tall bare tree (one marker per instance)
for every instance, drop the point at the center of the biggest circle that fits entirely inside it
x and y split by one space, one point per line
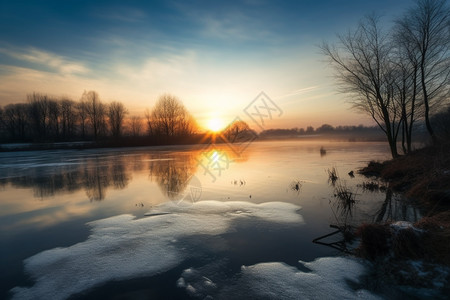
361 59
39 114
170 118
82 116
15 120
425 29
96 112
68 118
116 116
406 87
54 111
135 125
149 121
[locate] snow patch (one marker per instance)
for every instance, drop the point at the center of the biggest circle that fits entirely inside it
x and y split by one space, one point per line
328 279
123 247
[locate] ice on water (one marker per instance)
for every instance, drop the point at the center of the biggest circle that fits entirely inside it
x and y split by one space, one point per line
328 278
124 247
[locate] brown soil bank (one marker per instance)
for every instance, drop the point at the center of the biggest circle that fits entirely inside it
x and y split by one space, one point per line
424 177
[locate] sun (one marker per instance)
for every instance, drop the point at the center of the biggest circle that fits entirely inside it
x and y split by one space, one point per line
215 124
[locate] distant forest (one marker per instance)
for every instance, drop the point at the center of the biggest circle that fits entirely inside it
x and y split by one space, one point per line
350 133
46 119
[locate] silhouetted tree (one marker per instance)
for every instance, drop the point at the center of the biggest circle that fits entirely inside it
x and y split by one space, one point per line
53 119
424 31
116 115
39 114
15 121
82 116
364 70
406 88
96 112
135 125
236 131
325 128
148 119
68 118
169 118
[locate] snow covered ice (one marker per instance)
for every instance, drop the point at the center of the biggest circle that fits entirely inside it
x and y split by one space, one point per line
123 247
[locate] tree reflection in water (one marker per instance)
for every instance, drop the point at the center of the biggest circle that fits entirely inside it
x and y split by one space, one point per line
96 174
172 173
349 213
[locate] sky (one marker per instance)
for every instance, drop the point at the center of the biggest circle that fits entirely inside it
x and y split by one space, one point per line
215 56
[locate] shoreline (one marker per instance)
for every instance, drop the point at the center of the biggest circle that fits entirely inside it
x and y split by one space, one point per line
412 254
422 176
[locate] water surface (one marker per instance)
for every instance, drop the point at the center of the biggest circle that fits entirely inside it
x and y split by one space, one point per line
177 215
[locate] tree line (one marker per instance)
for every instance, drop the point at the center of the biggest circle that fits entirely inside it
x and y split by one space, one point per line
44 118
399 75
324 129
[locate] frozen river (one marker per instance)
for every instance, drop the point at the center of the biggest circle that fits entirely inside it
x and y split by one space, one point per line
185 222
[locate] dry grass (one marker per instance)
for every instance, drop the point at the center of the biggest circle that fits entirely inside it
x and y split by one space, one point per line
423 175
344 194
430 241
332 175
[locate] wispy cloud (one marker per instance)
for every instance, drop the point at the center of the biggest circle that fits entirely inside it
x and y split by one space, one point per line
226 22
162 72
58 63
298 92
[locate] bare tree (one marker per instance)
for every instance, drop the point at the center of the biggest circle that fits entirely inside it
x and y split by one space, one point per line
82 116
96 112
406 89
170 118
116 115
68 118
135 124
236 131
364 70
54 119
15 120
148 118
425 30
39 114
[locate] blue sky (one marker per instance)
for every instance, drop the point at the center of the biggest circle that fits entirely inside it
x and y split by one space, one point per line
216 56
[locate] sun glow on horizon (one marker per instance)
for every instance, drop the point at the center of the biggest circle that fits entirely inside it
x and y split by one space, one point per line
215 124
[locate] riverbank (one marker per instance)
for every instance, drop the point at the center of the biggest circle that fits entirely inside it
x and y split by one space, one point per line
413 254
422 176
